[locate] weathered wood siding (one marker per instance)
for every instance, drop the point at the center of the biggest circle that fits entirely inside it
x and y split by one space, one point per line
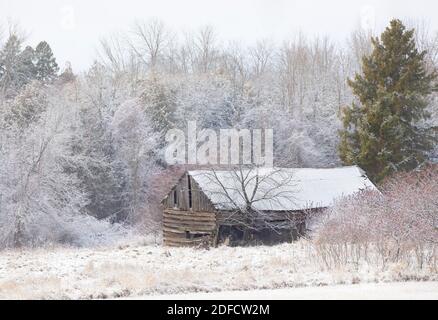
189 218
188 228
199 202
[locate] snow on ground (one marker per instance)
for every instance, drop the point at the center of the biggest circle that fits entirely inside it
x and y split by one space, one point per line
364 291
137 270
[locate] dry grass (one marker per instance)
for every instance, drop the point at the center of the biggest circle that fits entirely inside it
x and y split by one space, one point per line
139 270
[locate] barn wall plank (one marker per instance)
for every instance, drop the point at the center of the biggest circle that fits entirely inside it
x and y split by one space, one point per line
176 224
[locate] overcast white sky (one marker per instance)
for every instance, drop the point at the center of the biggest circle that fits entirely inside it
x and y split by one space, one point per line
73 28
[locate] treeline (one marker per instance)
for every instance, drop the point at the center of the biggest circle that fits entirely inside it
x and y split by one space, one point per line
19 67
82 154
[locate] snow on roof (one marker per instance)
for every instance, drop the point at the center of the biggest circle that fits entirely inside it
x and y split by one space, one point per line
280 189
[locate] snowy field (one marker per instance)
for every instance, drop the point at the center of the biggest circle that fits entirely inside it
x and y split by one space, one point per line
365 291
138 270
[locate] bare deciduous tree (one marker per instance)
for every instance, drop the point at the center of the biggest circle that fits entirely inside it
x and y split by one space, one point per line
254 198
261 55
151 40
206 50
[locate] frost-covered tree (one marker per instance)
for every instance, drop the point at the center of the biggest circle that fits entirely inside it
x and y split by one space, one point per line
18 68
26 64
93 143
210 100
135 150
11 73
67 75
41 202
26 108
158 99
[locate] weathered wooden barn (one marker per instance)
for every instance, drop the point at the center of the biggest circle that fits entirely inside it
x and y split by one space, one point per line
209 206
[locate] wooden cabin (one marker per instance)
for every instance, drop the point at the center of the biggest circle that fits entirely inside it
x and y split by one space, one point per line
205 206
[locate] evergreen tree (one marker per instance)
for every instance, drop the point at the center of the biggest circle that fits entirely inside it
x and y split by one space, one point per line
99 173
11 78
28 105
45 63
386 132
26 64
159 104
67 74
